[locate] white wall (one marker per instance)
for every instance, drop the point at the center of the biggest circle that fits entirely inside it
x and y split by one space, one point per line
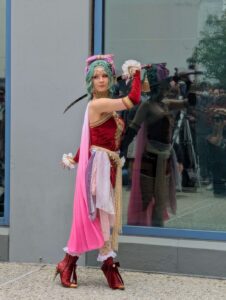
50 42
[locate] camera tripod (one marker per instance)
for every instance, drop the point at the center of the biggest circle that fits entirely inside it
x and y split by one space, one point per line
183 122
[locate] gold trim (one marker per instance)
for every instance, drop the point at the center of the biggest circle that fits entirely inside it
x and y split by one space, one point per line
145 87
119 130
100 121
127 102
98 95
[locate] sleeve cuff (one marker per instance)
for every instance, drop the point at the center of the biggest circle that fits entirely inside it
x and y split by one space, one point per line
127 102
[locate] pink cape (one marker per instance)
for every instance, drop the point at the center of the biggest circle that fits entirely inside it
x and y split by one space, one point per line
136 215
85 234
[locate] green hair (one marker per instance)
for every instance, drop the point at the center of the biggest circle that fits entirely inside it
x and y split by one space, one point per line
90 73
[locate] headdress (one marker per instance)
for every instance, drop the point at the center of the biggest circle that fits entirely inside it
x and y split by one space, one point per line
156 73
108 58
158 79
104 60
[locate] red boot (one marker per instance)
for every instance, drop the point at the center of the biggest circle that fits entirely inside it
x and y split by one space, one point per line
67 268
110 269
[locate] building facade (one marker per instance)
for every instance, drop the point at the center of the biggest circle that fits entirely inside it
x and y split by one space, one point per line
46 45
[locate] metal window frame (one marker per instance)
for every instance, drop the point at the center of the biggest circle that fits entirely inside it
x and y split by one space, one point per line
98 48
98 26
5 219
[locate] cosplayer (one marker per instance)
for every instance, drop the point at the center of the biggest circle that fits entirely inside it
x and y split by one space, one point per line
97 201
155 167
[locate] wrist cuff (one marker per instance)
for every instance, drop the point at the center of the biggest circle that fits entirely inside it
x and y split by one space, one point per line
127 102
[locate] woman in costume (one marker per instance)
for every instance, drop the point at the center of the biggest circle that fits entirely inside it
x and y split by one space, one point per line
97 200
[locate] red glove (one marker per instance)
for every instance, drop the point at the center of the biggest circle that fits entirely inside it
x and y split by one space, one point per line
135 93
76 157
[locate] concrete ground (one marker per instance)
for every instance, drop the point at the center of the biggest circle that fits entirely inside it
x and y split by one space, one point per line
33 281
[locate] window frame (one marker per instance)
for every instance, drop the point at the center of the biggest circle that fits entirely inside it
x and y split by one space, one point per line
98 48
4 221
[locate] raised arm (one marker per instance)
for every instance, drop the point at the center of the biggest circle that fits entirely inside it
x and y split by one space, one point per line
174 104
180 104
107 105
134 127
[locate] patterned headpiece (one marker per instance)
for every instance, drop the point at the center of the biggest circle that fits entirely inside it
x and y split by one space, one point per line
156 73
106 57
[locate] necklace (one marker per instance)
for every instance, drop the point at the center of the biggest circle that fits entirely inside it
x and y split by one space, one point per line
98 95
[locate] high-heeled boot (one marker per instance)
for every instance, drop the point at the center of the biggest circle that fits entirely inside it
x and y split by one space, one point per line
111 272
67 269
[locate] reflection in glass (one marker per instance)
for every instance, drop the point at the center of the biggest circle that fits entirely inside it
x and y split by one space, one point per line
2 102
189 36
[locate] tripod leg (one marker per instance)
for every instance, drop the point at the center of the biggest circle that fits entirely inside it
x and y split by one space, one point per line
193 154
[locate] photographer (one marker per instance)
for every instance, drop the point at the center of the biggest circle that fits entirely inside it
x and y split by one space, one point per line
217 151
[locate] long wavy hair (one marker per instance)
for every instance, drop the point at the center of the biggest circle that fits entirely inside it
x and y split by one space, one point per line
89 76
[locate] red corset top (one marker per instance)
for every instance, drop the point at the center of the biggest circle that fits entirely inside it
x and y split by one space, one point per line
107 132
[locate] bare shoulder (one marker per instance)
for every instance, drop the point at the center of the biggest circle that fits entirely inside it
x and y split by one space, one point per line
94 113
92 106
106 105
97 103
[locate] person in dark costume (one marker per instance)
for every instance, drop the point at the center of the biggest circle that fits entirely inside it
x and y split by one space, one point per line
155 176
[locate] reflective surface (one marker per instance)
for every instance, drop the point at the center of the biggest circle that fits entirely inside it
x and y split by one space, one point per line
2 102
190 36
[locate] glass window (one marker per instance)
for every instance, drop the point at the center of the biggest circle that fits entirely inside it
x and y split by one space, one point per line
175 172
2 104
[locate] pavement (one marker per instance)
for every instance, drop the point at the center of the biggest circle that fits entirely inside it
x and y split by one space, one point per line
35 281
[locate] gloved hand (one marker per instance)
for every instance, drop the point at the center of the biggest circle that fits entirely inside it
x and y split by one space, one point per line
68 161
135 92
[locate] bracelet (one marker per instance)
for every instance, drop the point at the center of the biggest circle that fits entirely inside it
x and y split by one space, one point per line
127 102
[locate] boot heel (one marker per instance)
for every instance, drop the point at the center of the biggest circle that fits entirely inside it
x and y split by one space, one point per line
56 273
66 269
111 272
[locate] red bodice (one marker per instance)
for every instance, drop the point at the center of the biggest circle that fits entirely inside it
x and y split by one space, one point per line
107 133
